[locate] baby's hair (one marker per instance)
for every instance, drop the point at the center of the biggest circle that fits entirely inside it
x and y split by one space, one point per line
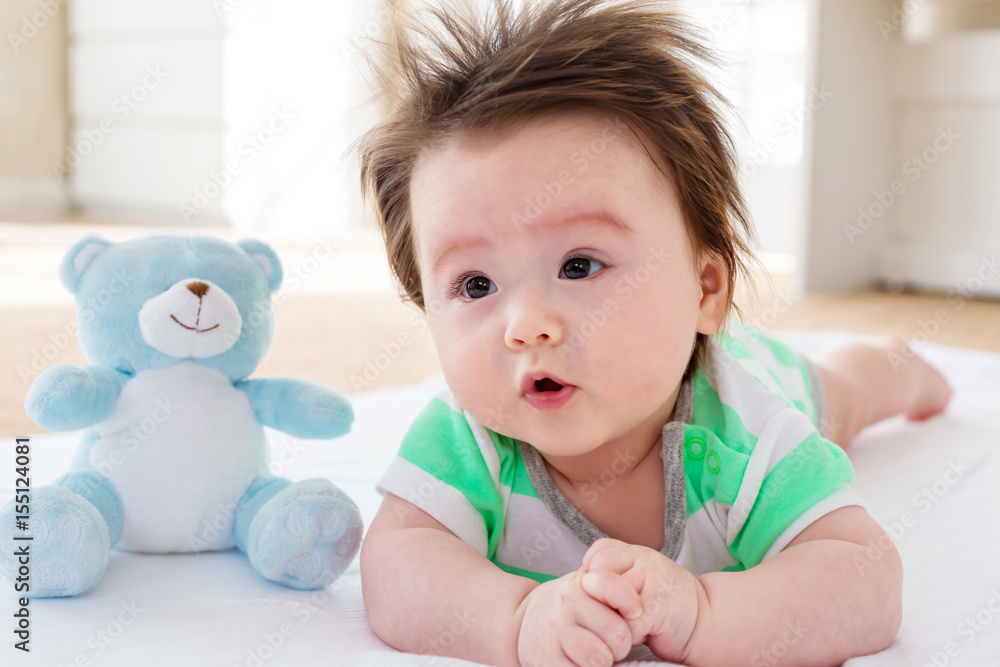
465 68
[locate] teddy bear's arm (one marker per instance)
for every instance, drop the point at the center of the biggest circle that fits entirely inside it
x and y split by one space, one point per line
300 408
68 397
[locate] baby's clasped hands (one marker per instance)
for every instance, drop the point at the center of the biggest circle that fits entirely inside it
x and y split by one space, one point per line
672 609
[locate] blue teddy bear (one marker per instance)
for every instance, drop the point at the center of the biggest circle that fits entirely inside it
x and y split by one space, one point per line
174 456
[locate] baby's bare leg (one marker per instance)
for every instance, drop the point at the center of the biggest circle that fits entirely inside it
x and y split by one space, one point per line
866 383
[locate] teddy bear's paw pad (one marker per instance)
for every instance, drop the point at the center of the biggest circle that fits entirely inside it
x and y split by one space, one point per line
306 536
298 521
69 531
304 567
53 577
329 524
69 543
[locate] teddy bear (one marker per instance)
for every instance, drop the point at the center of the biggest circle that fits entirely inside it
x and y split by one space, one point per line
174 457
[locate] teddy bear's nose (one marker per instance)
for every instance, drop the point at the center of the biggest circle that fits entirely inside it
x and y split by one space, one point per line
197 288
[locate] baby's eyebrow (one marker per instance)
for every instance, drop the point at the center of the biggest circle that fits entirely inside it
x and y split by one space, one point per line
601 217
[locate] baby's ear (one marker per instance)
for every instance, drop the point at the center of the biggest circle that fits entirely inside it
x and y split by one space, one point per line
266 259
79 257
714 283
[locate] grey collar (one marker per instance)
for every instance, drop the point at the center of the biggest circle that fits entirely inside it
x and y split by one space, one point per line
675 514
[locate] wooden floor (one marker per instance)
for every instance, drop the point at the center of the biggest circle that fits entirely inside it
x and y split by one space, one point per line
345 327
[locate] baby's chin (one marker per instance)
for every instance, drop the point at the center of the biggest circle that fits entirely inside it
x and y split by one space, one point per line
560 442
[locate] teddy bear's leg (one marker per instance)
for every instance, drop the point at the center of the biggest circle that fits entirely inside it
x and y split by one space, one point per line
73 524
302 535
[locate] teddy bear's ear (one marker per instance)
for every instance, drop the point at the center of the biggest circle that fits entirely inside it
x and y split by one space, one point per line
79 257
266 259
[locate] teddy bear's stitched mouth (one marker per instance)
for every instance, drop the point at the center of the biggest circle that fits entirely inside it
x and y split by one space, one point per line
196 330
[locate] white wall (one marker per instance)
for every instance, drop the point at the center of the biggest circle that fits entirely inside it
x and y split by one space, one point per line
903 168
235 112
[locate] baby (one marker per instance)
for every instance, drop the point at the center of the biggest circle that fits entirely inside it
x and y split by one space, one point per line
613 463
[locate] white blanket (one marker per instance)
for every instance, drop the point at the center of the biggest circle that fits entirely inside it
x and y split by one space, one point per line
213 609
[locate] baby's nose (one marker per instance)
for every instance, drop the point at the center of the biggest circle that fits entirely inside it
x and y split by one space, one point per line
533 325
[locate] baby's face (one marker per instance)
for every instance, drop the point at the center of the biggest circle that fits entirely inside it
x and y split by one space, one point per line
558 251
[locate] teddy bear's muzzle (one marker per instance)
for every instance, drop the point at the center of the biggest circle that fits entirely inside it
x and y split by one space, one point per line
194 318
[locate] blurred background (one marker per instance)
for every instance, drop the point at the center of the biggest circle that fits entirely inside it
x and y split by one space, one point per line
868 136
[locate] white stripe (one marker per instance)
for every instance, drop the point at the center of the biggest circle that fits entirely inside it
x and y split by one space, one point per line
844 496
534 540
704 548
739 389
442 501
791 379
483 440
780 435
790 427
486 447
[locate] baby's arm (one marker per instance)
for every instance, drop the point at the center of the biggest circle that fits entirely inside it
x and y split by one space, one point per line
833 593
426 591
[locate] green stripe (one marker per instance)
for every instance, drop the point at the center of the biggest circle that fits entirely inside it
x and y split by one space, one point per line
540 578
802 478
713 469
512 471
440 442
716 472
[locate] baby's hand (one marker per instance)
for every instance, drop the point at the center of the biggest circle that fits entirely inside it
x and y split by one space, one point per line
668 593
565 627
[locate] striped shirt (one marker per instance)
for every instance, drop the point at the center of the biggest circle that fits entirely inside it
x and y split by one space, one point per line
745 465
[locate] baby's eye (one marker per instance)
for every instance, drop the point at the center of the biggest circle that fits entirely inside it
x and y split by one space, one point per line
580 267
478 286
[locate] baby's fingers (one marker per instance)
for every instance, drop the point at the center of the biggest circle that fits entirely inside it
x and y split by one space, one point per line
610 554
585 649
614 591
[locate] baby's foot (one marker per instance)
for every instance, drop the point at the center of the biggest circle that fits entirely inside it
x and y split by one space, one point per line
931 392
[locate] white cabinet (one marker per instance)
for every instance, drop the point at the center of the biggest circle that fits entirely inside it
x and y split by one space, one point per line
945 232
905 160
207 112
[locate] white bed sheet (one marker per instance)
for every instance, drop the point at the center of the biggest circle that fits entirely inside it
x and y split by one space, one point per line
213 609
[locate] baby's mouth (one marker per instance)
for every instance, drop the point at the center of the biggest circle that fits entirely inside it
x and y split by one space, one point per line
547 384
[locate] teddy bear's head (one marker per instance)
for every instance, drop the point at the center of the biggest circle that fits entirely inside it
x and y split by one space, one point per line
159 299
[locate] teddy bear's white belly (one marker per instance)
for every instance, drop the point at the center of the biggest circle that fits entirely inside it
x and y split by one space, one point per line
181 446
